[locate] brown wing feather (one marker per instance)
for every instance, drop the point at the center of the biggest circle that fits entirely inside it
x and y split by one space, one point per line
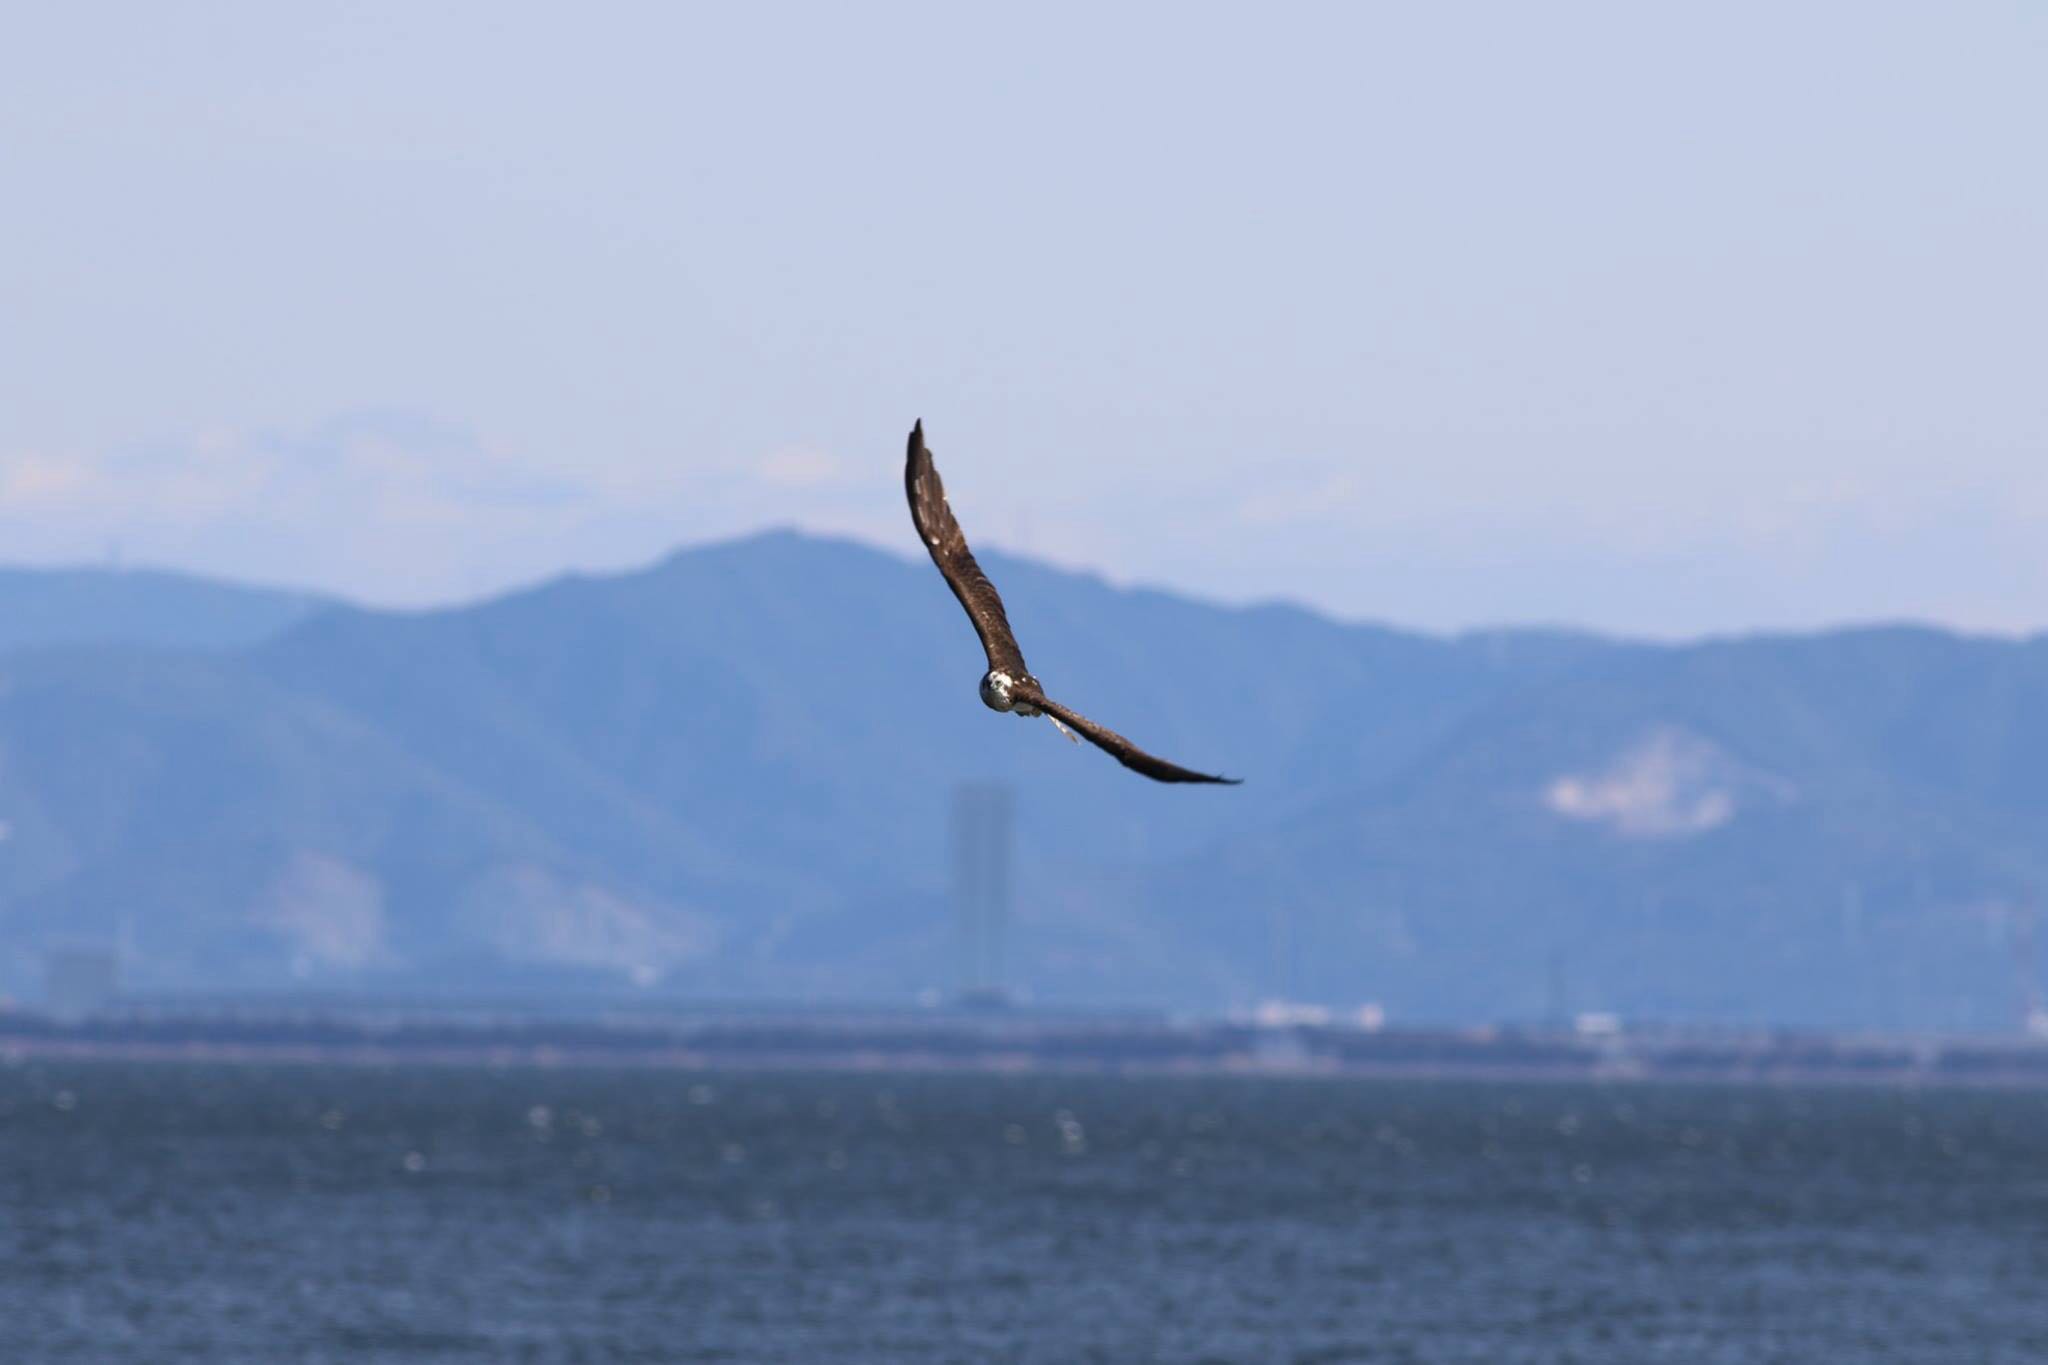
942 536
1117 747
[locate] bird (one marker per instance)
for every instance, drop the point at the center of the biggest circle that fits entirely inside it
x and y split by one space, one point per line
1008 685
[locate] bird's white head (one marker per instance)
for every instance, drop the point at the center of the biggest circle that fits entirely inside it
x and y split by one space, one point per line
995 690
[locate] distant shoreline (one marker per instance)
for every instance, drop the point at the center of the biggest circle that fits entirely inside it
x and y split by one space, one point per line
999 1043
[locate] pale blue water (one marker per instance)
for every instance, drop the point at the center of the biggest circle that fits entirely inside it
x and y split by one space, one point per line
175 1213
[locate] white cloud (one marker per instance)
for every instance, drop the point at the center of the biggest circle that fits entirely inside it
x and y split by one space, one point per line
396 508
1670 783
801 467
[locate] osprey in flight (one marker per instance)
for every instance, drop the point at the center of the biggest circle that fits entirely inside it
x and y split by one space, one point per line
1008 684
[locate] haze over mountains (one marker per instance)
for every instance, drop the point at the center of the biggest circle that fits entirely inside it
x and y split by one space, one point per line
728 775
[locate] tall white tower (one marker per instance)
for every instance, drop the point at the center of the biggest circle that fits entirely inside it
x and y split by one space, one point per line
984 834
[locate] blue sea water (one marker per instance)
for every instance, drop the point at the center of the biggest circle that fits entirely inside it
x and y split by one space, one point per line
243 1214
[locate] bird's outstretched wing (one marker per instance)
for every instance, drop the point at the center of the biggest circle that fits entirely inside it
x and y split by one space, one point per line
942 536
1116 746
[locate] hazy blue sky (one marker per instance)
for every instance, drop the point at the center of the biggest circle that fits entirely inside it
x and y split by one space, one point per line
1648 317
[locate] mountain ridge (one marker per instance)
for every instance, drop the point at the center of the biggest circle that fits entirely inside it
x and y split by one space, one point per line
728 773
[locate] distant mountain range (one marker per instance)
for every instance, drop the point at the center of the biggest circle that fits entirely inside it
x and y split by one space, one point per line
41 607
729 775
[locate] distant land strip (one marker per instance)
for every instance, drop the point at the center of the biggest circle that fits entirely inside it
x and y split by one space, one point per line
948 1042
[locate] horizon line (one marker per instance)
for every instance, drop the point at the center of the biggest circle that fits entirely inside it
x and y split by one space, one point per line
328 598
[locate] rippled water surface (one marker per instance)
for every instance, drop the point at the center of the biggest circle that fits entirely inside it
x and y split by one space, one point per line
173 1213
